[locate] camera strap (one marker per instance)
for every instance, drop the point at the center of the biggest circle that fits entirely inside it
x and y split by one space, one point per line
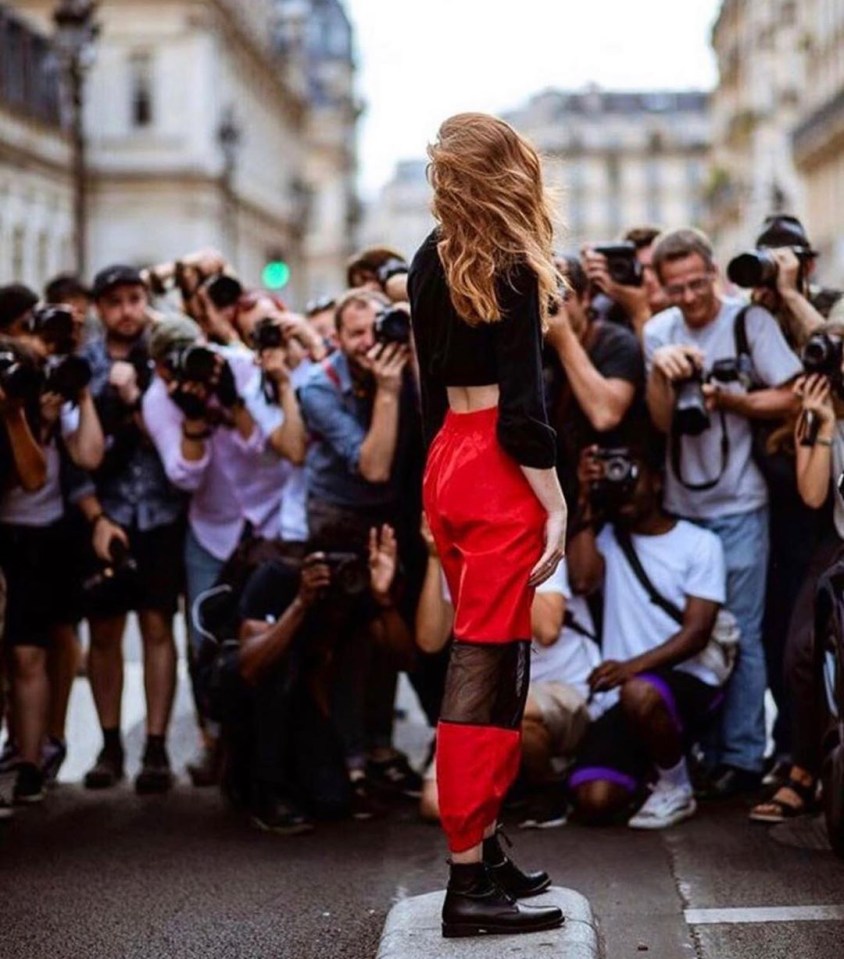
677 457
622 537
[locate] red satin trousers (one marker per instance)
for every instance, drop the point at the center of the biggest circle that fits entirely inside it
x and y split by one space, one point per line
488 526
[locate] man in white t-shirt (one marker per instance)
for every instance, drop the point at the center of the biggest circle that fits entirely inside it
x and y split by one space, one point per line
711 478
663 696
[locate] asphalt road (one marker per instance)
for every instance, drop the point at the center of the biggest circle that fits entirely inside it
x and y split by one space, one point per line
107 876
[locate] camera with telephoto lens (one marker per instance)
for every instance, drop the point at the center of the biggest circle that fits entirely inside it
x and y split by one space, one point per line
622 263
691 417
20 378
349 572
223 290
67 376
616 485
54 325
267 334
757 268
192 364
392 325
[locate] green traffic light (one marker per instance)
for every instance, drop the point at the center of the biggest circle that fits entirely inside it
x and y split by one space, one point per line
276 274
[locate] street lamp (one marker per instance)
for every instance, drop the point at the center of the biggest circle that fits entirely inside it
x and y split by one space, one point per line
229 137
74 40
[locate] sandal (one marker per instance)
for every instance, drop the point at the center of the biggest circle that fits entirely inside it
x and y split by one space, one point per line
775 810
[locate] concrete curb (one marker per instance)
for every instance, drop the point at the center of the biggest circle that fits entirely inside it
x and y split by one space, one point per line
412 931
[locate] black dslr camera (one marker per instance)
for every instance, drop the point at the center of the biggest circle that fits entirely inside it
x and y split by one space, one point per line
121 567
68 376
616 485
223 290
20 379
691 417
349 572
392 325
757 268
54 325
824 354
267 334
622 263
192 364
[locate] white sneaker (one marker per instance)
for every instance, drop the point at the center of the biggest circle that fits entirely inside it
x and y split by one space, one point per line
665 806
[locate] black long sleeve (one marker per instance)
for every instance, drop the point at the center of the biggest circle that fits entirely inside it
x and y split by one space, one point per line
506 353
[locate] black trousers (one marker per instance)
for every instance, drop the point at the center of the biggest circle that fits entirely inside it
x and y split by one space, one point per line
801 673
275 736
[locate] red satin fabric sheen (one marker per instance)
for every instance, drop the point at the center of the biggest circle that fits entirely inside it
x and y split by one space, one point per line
488 526
476 765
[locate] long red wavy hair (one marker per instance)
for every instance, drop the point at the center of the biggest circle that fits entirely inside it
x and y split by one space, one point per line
493 212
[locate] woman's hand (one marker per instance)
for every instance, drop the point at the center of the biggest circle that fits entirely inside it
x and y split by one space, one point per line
555 547
816 395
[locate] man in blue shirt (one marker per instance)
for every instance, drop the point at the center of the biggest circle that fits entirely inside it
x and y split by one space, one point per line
363 469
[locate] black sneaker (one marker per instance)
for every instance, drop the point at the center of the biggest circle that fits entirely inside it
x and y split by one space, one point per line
155 776
280 816
107 771
53 754
29 786
395 776
364 804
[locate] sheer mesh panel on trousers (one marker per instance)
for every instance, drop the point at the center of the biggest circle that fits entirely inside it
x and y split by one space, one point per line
487 684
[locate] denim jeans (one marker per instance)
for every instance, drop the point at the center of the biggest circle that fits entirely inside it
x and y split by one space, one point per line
201 572
740 741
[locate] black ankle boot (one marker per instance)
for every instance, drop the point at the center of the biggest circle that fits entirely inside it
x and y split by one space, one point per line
475 905
504 872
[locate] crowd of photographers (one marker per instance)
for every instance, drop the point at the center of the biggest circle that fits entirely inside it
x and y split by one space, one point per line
171 440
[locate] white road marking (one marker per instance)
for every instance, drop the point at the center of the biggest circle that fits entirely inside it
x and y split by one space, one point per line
707 917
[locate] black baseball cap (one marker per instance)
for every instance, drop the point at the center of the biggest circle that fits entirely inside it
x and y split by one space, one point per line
15 300
782 229
117 275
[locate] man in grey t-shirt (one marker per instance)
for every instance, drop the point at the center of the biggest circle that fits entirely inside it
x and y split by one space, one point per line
711 479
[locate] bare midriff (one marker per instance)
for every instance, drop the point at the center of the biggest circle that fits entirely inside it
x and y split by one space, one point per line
470 399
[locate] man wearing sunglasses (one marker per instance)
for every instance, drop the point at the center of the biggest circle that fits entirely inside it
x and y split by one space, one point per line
711 477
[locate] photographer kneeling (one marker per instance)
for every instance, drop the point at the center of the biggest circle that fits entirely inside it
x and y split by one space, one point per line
283 758
700 393
663 581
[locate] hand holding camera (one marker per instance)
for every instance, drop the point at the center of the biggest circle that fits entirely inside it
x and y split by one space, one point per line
386 363
273 361
124 378
678 362
315 577
818 410
105 534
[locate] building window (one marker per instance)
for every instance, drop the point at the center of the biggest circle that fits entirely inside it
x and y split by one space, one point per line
140 73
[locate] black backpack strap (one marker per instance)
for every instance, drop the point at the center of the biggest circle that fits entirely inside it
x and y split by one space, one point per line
622 537
676 457
571 623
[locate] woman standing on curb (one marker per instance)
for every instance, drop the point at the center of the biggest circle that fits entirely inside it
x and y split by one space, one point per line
480 287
